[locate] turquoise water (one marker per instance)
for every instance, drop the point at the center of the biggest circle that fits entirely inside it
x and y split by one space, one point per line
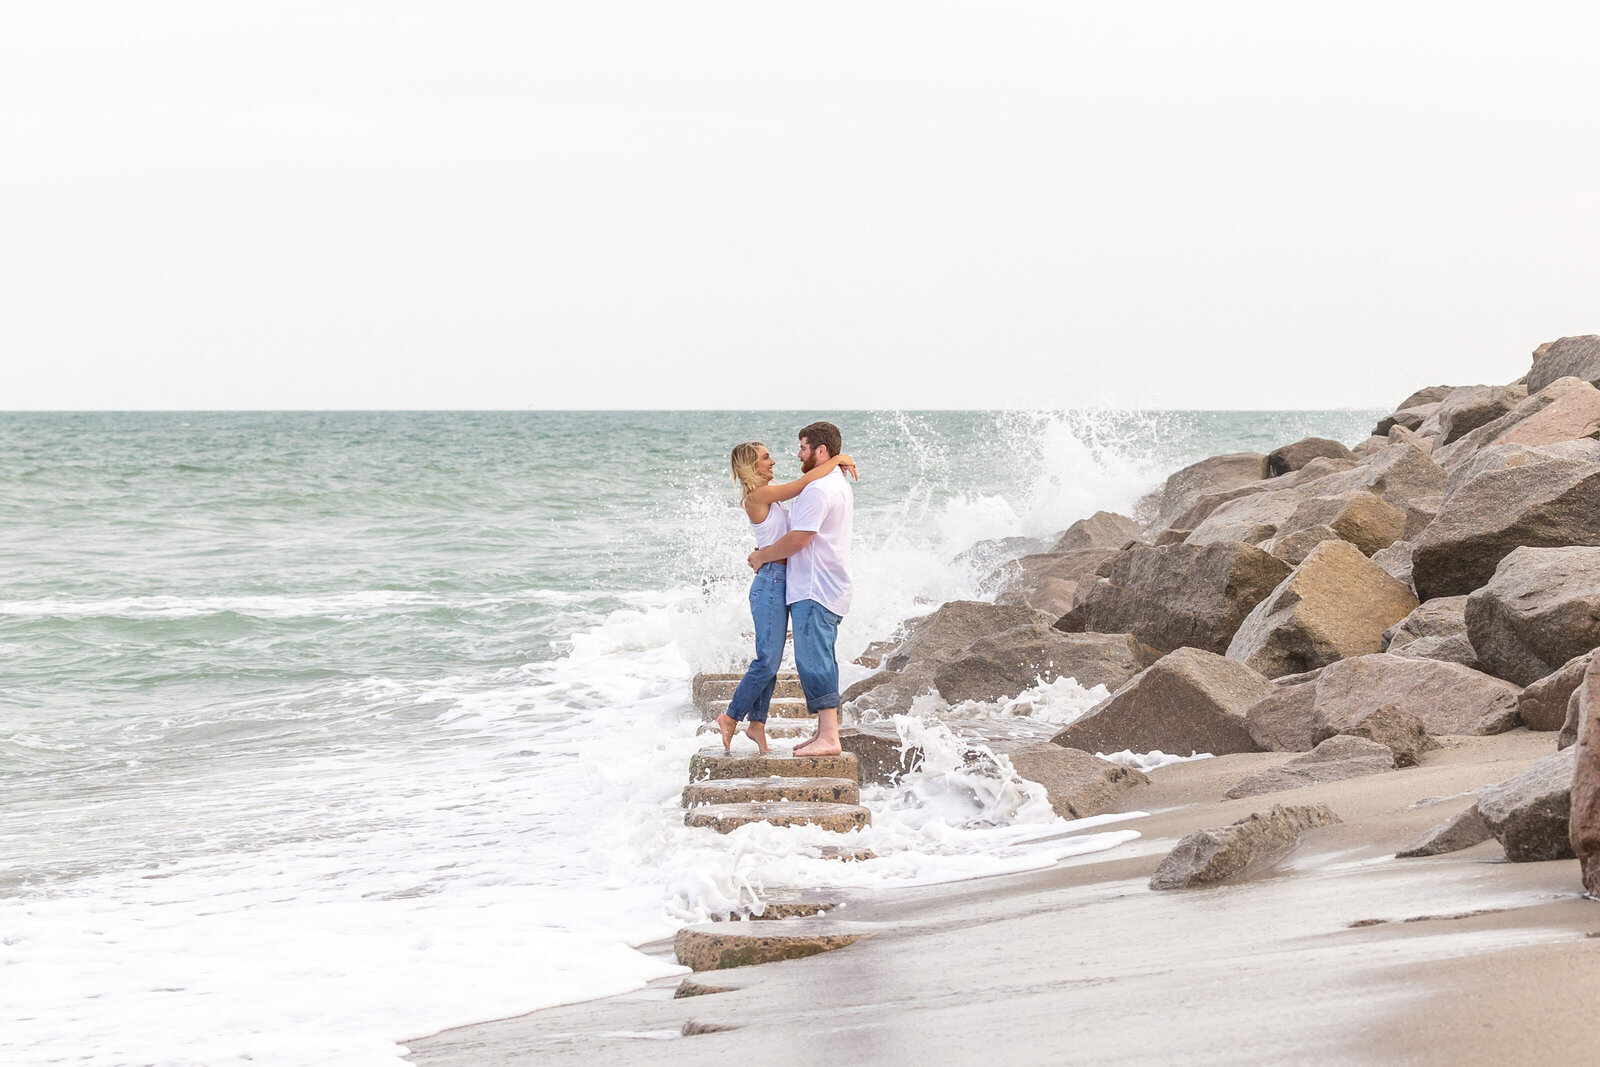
335 675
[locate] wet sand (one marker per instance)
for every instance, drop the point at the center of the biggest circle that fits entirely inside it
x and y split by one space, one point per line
1082 963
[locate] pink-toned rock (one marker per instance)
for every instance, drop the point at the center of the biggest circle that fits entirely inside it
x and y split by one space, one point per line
1459 417
1447 697
1585 821
1530 813
1541 608
1281 720
1194 595
1293 457
1188 701
1215 474
1543 705
1573 415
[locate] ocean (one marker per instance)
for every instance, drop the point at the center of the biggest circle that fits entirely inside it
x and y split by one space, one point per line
320 731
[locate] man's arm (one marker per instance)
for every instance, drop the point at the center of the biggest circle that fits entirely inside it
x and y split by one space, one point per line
782 548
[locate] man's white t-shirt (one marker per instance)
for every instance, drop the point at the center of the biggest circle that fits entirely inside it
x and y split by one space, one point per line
821 570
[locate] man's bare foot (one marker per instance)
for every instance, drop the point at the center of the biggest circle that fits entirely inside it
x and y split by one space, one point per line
757 732
818 746
727 727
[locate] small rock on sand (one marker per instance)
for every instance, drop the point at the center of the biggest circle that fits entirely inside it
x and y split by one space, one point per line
1207 857
1462 830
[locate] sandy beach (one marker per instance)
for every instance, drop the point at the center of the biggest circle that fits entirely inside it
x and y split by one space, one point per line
1340 953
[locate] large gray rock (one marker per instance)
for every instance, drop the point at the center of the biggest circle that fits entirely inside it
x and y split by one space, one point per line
1529 814
1572 414
1461 415
929 642
1543 705
1404 476
1526 423
1197 512
1584 831
1103 529
1293 548
954 626
1334 760
1444 616
1047 582
1361 517
1552 504
1577 357
1180 595
1541 608
1411 418
1431 394
1462 830
1080 784
1453 648
986 555
1293 457
1281 721
1188 701
1248 519
1207 857
1215 474
1499 457
1396 560
1401 732
1002 665
1336 604
1447 697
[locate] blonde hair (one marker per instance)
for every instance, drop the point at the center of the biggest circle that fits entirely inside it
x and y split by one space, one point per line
744 460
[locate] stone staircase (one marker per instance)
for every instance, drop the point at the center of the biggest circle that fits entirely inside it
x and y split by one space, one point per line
729 791
726 792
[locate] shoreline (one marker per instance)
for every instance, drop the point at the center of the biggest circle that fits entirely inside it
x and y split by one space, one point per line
1385 648
1076 961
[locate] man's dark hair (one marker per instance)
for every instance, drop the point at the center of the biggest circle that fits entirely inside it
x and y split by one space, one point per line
825 434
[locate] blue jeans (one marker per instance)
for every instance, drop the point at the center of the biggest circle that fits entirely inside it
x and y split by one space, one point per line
753 697
815 630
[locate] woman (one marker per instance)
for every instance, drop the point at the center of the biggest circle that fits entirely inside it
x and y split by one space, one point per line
762 501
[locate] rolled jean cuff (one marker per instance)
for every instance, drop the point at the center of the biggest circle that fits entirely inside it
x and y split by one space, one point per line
827 700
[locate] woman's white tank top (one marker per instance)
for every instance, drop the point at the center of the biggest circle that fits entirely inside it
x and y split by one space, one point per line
774 526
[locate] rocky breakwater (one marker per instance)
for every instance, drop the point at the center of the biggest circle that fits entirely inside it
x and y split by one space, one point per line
1440 578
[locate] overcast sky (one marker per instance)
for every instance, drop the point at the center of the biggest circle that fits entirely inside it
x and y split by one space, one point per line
908 205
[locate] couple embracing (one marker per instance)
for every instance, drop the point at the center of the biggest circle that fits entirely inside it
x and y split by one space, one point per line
802 565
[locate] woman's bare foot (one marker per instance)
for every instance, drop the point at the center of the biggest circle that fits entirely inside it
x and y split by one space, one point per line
727 727
757 732
818 746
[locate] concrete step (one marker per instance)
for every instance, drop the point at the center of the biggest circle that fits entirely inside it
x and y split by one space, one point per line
713 947
786 905
711 763
770 790
788 731
725 818
708 687
847 853
780 708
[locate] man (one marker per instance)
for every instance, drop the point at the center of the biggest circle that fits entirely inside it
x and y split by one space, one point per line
817 547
